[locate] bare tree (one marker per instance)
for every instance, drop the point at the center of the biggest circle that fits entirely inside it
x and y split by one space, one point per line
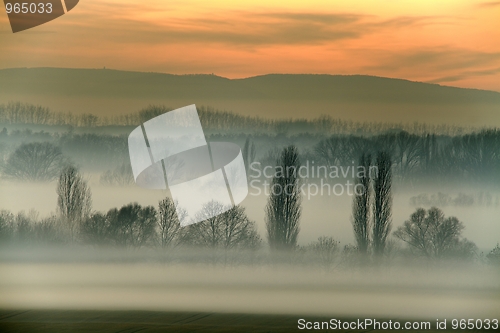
326 248
24 113
169 223
430 234
283 208
382 208
88 120
225 230
37 161
74 199
361 206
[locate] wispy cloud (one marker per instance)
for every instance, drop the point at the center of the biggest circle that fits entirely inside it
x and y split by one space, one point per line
465 75
241 28
439 58
489 4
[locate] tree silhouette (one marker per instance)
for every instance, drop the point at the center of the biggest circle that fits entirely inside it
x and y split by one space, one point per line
94 229
409 150
326 248
132 225
24 113
168 222
37 161
430 234
361 206
283 208
225 230
74 200
382 208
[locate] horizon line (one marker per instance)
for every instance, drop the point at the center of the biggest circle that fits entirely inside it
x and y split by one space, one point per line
250 77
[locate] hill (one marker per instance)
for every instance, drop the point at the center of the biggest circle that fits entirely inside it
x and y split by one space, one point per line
357 97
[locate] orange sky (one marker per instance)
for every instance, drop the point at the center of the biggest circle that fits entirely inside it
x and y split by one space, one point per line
452 42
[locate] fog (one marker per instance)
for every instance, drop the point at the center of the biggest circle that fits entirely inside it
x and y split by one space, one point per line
111 255
323 215
395 292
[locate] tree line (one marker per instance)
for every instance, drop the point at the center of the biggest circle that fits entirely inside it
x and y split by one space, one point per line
473 157
132 225
214 120
428 234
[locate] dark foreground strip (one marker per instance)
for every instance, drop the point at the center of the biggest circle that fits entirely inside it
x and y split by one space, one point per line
145 321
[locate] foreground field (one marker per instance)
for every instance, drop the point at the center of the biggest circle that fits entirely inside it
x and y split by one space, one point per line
144 321
101 321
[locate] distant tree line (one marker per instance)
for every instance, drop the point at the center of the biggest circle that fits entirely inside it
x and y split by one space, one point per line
440 199
214 120
468 157
471 157
25 113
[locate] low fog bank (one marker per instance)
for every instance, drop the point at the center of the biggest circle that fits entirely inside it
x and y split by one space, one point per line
398 291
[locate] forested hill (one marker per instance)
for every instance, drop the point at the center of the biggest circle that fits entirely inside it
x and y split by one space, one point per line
356 97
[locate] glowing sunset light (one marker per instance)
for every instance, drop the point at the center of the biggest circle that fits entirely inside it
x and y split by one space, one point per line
447 42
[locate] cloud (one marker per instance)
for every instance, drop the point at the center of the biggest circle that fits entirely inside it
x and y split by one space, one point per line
489 4
465 75
253 29
241 28
443 64
314 18
439 59
407 21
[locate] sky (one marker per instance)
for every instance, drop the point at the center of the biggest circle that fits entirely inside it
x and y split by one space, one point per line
449 42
